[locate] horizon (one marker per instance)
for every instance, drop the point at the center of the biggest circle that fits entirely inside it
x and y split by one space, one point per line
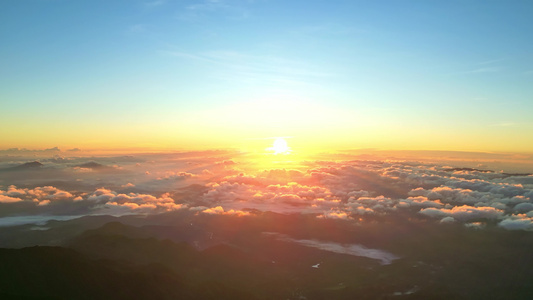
266 157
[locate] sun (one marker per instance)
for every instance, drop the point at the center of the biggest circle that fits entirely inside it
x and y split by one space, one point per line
280 146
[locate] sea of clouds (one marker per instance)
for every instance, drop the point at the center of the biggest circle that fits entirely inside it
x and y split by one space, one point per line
69 184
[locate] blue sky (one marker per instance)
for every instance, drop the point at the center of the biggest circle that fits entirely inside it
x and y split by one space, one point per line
460 70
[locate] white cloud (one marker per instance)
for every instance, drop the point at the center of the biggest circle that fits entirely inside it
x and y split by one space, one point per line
517 222
464 213
350 249
222 183
447 220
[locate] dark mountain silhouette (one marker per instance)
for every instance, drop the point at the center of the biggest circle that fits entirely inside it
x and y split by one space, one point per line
57 233
60 273
118 261
117 241
25 166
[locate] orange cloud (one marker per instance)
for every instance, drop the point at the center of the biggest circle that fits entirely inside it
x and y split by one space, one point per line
219 210
7 199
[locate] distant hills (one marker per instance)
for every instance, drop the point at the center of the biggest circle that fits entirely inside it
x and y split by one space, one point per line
61 273
33 165
161 261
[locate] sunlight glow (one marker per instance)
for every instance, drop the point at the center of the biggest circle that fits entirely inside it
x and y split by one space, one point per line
280 147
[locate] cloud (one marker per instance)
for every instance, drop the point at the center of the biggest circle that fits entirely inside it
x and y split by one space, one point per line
100 201
228 162
48 192
464 213
8 199
13 191
213 9
420 201
37 194
452 195
116 203
372 203
253 193
248 68
175 175
384 257
475 225
523 207
221 182
244 179
447 220
44 202
484 70
29 151
517 222
220 211
214 210
334 215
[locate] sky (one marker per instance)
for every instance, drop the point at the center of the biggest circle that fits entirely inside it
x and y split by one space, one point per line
404 75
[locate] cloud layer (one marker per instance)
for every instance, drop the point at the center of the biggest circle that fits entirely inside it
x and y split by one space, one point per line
217 182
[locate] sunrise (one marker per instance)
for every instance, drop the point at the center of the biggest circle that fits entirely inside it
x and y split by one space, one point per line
266 149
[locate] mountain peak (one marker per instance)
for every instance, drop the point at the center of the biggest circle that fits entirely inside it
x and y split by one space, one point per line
28 165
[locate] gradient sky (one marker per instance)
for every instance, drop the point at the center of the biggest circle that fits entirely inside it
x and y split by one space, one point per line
425 75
